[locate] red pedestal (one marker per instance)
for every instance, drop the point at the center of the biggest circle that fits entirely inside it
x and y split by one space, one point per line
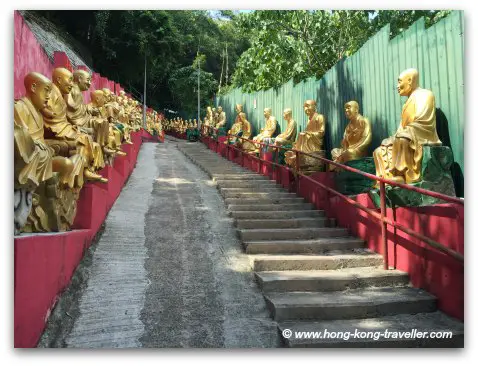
44 264
92 208
429 269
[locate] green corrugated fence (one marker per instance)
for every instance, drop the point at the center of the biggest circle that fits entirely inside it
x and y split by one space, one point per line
370 77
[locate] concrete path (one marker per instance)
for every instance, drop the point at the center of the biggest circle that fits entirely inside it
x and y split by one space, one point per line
168 270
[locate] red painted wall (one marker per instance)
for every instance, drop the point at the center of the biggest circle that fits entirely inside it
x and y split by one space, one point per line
44 264
28 56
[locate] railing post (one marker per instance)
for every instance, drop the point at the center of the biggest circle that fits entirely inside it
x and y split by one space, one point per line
242 151
383 215
297 171
276 167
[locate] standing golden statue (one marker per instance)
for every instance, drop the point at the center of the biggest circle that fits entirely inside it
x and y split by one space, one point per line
310 141
357 136
399 158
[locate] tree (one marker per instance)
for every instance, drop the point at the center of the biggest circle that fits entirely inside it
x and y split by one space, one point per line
183 84
299 44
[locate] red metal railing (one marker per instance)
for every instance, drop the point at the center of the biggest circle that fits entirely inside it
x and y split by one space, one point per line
381 217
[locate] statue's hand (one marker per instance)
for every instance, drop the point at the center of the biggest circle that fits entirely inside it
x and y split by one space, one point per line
40 145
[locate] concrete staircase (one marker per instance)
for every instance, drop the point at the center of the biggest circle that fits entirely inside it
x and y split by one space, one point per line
314 275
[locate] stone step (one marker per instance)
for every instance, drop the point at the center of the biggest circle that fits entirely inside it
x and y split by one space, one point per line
254 190
263 201
383 332
244 177
284 234
271 195
247 184
272 207
272 214
351 304
336 259
281 223
338 280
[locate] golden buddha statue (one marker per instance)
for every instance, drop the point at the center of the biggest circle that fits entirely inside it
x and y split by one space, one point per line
65 137
399 157
268 130
78 113
309 141
57 180
34 161
115 134
247 146
357 136
288 136
111 149
236 130
221 118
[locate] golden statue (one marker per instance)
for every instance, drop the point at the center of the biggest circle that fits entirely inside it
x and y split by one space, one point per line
357 136
88 119
57 180
236 130
288 136
268 130
221 118
399 157
247 146
111 113
310 141
34 161
66 137
111 149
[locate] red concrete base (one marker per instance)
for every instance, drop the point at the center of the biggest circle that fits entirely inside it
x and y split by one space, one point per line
429 269
45 263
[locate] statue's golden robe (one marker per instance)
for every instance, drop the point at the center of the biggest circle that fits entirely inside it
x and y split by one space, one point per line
78 114
357 138
401 155
33 157
288 136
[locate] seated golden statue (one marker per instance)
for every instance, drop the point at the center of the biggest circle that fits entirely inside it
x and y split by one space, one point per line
56 180
65 137
247 146
310 141
84 116
399 157
111 149
357 136
34 161
221 118
235 131
288 136
268 130
115 134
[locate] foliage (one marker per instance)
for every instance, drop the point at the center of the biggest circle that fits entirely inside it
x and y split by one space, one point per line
184 87
304 43
254 50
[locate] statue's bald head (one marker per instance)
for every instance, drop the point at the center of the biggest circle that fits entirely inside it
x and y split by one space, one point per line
34 79
38 89
351 109
83 79
63 79
310 107
98 97
407 82
239 108
287 113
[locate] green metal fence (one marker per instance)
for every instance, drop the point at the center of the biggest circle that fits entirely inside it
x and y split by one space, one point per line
370 77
